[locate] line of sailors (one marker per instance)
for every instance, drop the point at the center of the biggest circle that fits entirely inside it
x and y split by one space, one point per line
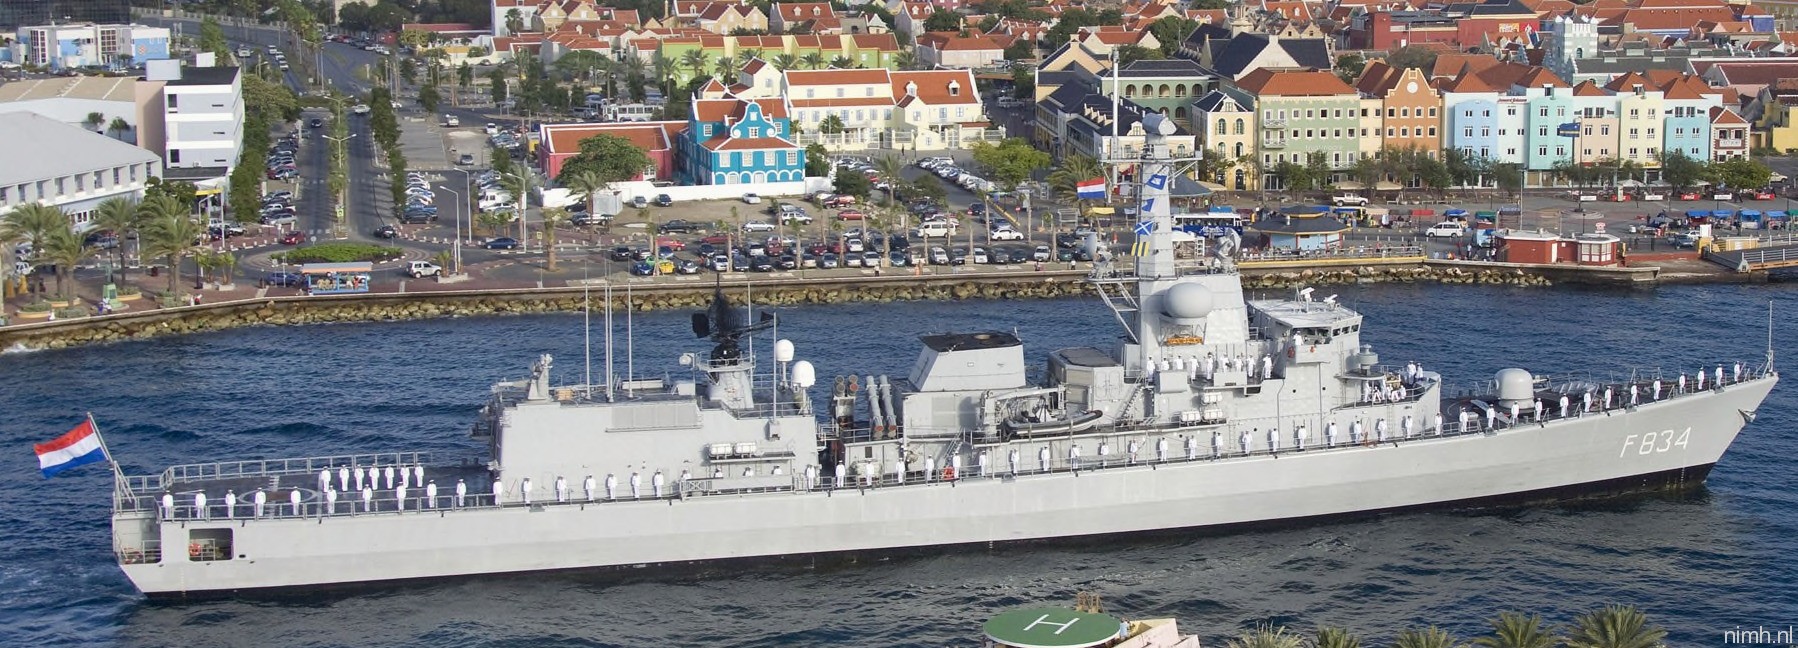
1600 400
1196 368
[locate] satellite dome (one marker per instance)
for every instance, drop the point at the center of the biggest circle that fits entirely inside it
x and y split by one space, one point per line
1516 385
804 375
783 351
1186 303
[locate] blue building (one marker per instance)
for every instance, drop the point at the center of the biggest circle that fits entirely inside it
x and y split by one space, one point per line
740 141
1472 127
110 46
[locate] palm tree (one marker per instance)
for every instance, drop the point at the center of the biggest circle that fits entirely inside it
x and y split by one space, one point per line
1267 636
1517 630
664 70
118 126
32 222
1616 626
553 217
519 184
119 216
1431 637
725 70
1074 170
904 60
889 168
784 62
1335 638
94 120
586 184
64 248
812 60
695 60
841 62
169 232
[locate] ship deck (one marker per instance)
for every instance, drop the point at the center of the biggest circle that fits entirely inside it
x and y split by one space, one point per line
278 479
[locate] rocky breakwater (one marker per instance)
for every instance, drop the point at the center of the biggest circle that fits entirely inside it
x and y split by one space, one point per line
1283 279
296 311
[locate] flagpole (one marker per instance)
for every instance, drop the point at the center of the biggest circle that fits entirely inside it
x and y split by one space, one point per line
119 490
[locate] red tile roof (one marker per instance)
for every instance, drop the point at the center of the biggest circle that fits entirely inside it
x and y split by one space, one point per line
1265 82
649 136
933 86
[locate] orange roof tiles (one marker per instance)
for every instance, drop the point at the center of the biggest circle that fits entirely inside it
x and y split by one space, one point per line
649 136
836 77
933 86
1293 83
1721 115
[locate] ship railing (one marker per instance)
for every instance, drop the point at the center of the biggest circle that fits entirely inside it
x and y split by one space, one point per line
148 552
1575 384
145 490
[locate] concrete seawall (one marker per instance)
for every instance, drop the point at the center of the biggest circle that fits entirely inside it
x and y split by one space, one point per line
663 295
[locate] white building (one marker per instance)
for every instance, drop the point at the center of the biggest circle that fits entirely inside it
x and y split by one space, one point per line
71 100
193 116
49 162
68 46
916 109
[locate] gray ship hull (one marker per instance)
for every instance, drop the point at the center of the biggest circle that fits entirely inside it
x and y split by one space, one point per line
1667 443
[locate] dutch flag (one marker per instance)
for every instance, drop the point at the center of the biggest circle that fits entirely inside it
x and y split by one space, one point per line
79 446
1090 189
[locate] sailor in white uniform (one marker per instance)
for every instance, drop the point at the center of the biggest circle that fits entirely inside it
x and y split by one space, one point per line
1130 452
1738 374
431 494
1246 442
1682 384
1513 414
1492 416
1161 450
561 489
1217 444
1564 404
324 479
1700 380
843 471
368 498
1379 430
293 497
1410 373
361 477
980 460
343 478
1719 381
1042 458
418 473
1607 398
524 491
260 498
1634 396
168 505
499 492
656 481
461 493
399 497
1585 402
1355 433
811 476
1273 439
1192 448
200 506
331 502
637 484
388 474
405 477
1657 389
1267 367
1013 459
1074 456
612 483
1404 426
1438 420
930 468
1330 434
588 485
1538 412
230 504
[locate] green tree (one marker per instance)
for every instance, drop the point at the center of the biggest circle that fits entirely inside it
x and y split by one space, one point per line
246 192
212 39
817 160
464 75
429 98
514 21
409 70
1515 630
1020 50
1293 176
120 216
1680 170
943 20
1073 170
1616 626
1128 54
65 249
812 61
1335 638
725 69
497 89
553 217
585 183
831 125
1349 67
1267 636
1023 82
1011 161
1508 176
94 120
1412 56
32 222
118 127
1431 637
784 62
182 191
613 158
1742 173
169 232
1317 168
853 184
695 60
1170 31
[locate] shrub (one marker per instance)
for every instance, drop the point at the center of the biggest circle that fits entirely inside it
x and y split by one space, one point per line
130 290
39 306
339 252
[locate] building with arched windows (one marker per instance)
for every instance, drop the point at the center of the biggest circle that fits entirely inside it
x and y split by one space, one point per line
1225 122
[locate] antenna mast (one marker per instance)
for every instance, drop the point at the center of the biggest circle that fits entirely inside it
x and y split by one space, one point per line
1769 336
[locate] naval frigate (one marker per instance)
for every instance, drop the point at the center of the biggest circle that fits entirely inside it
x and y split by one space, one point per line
1210 411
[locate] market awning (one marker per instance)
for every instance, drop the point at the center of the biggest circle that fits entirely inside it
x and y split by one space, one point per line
1350 185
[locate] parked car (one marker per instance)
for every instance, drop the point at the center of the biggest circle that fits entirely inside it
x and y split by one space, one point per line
386 232
678 226
284 279
294 237
1041 254
1005 234
752 199
502 243
664 200
418 269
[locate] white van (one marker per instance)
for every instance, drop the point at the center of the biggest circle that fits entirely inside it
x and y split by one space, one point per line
936 229
1449 229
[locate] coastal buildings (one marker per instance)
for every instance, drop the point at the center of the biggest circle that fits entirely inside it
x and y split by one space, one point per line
83 45
86 169
858 109
695 56
1303 114
656 139
193 117
74 100
1226 121
729 140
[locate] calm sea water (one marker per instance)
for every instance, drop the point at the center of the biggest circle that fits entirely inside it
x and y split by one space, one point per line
1698 564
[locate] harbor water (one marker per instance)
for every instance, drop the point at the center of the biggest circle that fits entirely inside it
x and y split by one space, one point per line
1700 564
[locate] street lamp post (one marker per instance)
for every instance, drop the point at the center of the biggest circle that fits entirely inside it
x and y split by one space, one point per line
456 250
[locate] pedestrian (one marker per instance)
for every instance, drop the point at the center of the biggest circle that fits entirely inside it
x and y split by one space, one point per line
637 486
399 498
461 493
431 494
524 491
499 491
561 489
293 497
368 498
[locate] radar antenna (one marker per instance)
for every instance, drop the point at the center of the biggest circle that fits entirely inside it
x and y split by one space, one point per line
725 325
